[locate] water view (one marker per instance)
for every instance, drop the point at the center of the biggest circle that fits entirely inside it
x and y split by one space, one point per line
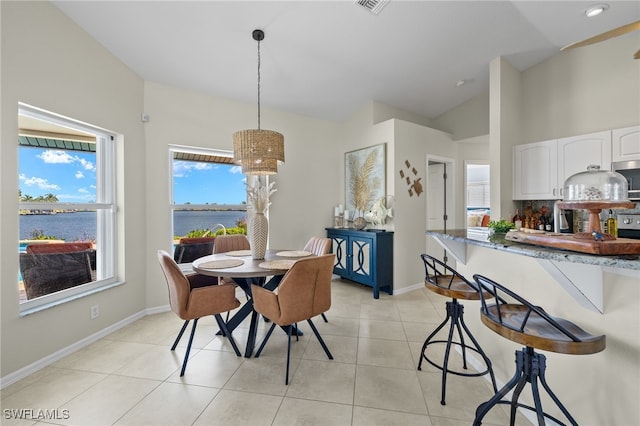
82 225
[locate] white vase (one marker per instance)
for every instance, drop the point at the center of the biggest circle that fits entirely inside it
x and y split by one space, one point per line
259 229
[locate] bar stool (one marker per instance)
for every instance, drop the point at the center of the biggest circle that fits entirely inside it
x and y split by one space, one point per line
530 325
446 281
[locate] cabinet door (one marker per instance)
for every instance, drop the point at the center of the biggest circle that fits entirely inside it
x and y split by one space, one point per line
361 265
577 152
626 144
339 248
535 170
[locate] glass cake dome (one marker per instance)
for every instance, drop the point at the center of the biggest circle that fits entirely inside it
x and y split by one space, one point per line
596 185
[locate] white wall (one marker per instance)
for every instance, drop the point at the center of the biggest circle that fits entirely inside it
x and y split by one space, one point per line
307 184
49 62
467 120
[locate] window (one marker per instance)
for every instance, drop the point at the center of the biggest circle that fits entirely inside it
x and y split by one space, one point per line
67 208
208 192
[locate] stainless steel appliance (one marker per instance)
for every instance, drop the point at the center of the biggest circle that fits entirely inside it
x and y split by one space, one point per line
631 171
629 225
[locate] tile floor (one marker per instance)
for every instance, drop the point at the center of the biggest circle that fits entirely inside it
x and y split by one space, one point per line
130 377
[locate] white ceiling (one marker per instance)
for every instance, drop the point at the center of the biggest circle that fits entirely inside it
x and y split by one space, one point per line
327 59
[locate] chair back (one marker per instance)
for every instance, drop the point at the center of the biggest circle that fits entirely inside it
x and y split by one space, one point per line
226 243
46 273
305 290
59 247
446 281
190 249
318 246
529 317
177 283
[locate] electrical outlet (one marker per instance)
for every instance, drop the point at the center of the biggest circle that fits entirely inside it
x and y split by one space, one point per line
95 311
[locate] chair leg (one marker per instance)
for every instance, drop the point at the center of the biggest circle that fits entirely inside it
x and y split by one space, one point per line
324 346
184 327
264 341
289 328
186 355
324 317
225 332
530 366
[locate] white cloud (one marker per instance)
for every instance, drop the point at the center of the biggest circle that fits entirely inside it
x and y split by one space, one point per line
83 190
235 169
63 157
183 168
79 174
39 182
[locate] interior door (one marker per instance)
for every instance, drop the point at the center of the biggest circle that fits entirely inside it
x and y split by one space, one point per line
439 204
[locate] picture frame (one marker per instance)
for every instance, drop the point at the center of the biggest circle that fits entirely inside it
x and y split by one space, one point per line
365 178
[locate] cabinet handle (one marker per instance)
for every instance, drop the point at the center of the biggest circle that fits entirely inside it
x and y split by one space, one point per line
554 192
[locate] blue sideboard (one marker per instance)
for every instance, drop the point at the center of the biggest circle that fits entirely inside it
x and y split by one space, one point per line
365 257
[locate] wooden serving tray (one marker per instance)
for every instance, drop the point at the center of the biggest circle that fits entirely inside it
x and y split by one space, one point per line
568 242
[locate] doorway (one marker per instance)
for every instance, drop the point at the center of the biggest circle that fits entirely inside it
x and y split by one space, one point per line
440 199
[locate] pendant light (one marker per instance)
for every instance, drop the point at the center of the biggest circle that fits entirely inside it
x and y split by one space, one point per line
258 151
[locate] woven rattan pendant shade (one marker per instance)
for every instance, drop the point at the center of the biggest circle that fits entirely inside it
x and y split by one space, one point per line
258 151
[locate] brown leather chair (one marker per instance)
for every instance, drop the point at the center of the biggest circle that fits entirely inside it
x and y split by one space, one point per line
194 303
319 246
227 243
303 293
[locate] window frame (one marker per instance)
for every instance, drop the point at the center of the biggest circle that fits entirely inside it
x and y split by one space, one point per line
105 206
199 151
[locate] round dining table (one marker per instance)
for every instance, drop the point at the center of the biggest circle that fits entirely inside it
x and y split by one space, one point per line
244 270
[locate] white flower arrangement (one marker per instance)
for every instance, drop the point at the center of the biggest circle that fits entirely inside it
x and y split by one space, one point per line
258 196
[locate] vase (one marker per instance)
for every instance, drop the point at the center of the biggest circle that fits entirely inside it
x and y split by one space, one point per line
259 228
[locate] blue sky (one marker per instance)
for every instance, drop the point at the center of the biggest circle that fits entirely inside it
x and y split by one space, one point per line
202 183
71 176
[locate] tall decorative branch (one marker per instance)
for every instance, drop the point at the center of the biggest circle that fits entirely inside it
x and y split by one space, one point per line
258 196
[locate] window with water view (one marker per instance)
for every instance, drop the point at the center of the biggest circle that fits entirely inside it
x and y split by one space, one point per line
66 174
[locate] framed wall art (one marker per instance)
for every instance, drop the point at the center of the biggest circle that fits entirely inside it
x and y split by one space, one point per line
365 177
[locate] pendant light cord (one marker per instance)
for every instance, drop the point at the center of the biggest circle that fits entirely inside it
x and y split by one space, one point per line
258 84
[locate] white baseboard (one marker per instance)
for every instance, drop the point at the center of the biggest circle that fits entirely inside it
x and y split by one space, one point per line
20 374
408 289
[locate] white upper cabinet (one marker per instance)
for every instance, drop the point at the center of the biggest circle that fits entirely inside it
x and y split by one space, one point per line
576 153
535 171
626 144
541 168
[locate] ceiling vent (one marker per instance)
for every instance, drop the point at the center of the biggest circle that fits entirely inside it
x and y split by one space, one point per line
374 6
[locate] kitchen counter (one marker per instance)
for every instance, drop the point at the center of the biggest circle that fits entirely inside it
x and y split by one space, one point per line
581 275
498 242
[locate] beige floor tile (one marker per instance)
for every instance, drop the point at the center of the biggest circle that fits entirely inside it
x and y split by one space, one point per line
262 375
389 389
384 353
376 329
364 416
107 401
170 404
230 408
53 390
345 309
339 326
209 368
303 412
327 381
344 349
158 362
382 310
104 358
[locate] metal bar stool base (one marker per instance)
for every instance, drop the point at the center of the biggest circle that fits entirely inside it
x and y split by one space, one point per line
455 315
530 368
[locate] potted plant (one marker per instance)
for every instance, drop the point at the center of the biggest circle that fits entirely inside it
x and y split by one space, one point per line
501 226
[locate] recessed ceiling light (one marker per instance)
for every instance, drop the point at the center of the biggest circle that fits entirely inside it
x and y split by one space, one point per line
596 10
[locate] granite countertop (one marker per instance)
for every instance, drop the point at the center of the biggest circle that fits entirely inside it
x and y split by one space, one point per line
498 242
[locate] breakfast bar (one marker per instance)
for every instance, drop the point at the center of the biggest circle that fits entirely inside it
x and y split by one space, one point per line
600 293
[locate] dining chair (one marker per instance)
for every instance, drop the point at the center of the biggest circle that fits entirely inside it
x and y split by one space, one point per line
46 273
319 246
303 293
227 243
194 303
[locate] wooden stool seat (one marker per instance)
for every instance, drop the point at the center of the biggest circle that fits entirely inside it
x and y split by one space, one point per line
446 281
538 333
518 320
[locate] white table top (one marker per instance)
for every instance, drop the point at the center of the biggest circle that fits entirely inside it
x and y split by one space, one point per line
249 269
